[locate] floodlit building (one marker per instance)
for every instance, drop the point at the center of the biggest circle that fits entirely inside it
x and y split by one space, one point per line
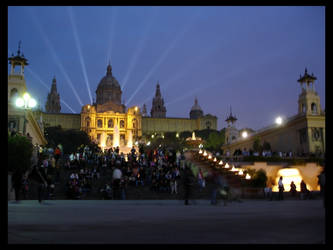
302 133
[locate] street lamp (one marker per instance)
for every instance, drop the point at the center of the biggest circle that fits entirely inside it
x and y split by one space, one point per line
26 102
244 134
278 120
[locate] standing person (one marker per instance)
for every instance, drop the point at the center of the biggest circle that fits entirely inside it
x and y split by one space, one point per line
214 187
201 180
305 193
17 184
187 182
41 190
281 188
116 177
293 190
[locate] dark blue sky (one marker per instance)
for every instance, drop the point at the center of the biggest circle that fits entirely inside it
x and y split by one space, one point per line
246 57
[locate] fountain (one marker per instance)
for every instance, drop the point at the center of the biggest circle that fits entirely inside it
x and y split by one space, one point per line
116 137
102 140
130 139
193 136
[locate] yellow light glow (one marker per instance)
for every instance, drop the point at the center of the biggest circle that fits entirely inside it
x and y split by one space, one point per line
215 160
244 134
226 165
32 103
148 143
210 156
177 135
240 172
221 162
248 177
289 175
233 169
88 106
26 96
19 102
152 136
205 153
200 151
136 109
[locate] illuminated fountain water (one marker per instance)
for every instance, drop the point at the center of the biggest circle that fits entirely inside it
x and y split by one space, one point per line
130 140
289 175
116 137
102 140
193 136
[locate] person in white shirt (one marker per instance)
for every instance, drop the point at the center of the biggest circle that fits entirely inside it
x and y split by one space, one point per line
116 176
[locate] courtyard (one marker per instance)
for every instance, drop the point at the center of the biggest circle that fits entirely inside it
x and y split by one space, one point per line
166 222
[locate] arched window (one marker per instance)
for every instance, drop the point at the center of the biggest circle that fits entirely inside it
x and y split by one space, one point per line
13 93
88 122
314 108
303 108
208 124
134 123
110 123
122 124
99 123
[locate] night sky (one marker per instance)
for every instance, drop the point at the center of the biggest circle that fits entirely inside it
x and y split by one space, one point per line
246 57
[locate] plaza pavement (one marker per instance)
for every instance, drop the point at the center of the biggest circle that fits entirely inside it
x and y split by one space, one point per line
166 222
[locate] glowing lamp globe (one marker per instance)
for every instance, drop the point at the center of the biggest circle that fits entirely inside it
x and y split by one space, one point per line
19 102
278 120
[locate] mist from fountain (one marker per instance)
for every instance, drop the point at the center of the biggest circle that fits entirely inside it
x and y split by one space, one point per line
116 137
130 139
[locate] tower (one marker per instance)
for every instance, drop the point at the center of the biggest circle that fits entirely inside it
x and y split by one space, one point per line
16 82
308 100
196 111
158 109
144 110
53 99
231 133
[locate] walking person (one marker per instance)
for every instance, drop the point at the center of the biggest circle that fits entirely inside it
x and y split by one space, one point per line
187 183
17 184
281 188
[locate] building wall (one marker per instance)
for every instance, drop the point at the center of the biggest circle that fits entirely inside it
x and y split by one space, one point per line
287 137
66 121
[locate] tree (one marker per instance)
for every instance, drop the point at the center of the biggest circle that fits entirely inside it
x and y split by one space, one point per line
259 178
215 141
256 145
70 139
19 153
266 146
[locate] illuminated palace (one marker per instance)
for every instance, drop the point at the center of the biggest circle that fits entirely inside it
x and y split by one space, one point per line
109 123
302 133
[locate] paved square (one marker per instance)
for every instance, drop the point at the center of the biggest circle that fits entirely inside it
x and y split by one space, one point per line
164 222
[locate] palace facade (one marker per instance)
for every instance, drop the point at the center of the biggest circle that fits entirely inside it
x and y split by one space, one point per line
108 115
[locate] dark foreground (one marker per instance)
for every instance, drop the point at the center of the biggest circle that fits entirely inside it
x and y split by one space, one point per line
165 222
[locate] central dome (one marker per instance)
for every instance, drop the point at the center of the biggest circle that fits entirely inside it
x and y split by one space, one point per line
108 89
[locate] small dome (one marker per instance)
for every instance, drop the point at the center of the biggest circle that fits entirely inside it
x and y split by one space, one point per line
196 105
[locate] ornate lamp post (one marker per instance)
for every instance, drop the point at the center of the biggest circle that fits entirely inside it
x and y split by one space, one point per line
26 103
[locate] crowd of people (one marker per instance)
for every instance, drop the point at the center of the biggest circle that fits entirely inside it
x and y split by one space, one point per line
159 169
